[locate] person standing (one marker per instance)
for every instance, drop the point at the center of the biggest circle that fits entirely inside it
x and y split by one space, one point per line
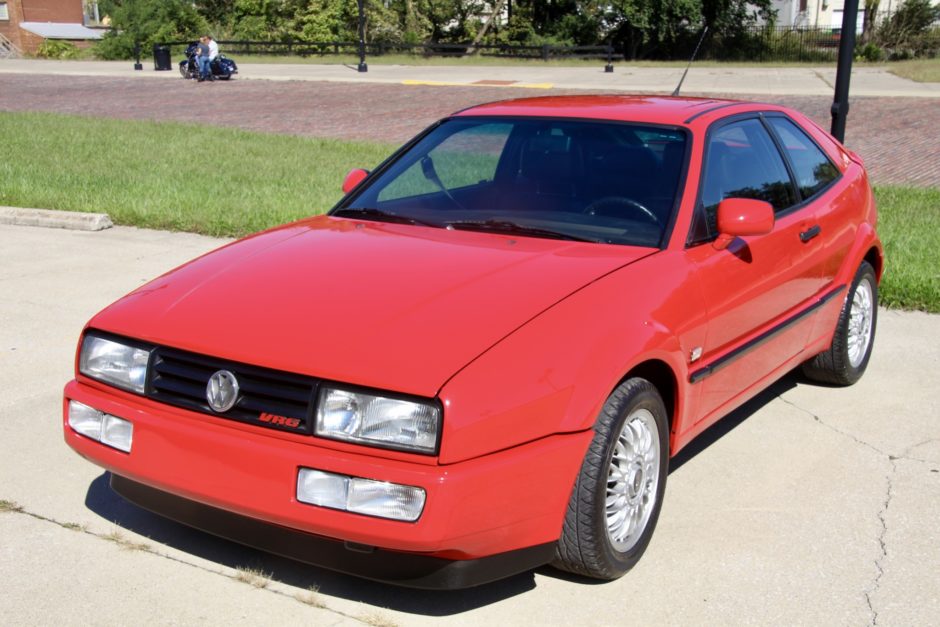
202 59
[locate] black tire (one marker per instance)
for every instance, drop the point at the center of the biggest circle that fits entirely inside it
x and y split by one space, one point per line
840 364
586 546
184 69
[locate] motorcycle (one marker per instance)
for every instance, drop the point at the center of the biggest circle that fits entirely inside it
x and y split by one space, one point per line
222 67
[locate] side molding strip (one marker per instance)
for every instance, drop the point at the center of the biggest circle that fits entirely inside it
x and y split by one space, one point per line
742 350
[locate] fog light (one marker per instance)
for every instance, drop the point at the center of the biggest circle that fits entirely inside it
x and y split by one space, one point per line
386 500
117 432
101 427
362 496
85 420
322 488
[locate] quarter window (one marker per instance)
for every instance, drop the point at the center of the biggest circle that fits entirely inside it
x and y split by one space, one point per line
741 161
812 168
4 12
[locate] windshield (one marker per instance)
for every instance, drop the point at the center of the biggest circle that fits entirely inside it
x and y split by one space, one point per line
604 182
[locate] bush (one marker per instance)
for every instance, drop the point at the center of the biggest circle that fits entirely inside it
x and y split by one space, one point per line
57 49
870 52
909 33
149 22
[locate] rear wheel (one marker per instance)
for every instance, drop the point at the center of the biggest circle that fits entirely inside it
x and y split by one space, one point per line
847 358
618 494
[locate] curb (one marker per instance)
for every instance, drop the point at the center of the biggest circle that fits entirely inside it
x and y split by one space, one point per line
49 218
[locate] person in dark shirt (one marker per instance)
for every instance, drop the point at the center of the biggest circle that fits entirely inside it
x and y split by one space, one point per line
202 59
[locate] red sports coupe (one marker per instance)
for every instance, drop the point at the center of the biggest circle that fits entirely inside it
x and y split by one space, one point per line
483 358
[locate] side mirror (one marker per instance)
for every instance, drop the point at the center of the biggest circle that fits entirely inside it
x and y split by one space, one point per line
353 179
739 217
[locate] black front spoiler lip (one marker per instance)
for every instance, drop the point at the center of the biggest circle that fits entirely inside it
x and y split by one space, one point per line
411 570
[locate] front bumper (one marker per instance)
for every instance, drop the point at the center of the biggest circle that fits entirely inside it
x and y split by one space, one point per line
413 570
487 506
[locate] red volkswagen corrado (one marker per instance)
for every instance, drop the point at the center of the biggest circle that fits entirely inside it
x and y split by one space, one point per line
482 359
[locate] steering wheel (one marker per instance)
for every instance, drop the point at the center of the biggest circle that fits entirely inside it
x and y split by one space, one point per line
618 203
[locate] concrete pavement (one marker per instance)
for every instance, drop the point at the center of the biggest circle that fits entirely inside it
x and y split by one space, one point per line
763 81
811 505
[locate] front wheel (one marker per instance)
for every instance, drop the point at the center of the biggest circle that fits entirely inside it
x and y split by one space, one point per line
847 358
618 494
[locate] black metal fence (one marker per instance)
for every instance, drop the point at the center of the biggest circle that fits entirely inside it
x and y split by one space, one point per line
778 44
378 49
756 44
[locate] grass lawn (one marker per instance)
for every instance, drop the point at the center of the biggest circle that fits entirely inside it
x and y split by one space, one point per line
219 181
172 176
909 225
920 70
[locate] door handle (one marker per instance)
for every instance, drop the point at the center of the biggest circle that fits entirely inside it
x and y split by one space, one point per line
810 233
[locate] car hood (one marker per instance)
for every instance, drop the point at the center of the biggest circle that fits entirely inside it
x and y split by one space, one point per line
392 306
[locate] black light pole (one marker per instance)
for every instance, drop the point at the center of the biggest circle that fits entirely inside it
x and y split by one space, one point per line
137 65
362 39
840 103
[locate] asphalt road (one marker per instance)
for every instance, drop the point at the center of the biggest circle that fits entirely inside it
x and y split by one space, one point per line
810 505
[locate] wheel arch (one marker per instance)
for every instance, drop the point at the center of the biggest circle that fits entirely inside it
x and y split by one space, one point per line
875 258
664 379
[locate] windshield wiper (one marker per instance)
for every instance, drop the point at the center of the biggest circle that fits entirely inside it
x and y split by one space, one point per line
379 215
512 228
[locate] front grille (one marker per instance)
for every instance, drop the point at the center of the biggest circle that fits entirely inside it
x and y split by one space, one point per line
267 398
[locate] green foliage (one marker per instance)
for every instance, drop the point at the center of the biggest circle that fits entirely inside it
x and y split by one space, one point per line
870 52
262 20
148 22
647 28
57 49
909 33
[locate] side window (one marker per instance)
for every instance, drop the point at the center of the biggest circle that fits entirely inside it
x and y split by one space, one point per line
468 157
812 168
741 161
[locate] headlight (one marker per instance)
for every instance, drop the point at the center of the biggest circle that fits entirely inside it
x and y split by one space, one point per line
113 362
378 420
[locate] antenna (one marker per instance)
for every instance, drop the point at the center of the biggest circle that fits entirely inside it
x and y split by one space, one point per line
675 92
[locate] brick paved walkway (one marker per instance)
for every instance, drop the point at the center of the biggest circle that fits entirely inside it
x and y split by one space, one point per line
899 138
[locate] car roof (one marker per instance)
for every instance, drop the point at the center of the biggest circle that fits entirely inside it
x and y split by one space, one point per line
679 111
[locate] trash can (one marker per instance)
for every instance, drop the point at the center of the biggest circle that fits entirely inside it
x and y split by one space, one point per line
161 58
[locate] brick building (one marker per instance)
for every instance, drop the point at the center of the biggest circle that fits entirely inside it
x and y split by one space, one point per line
25 24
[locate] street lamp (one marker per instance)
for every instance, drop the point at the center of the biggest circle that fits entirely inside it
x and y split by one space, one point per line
362 42
840 103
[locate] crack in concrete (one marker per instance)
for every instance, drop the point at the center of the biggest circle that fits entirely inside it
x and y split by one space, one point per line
145 548
823 79
882 514
832 428
910 449
879 563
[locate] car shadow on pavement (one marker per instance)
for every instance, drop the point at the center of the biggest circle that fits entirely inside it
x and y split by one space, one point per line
106 503
103 501
730 422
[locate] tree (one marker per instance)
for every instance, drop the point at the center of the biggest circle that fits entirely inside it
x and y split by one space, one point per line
643 26
868 25
263 20
147 22
907 32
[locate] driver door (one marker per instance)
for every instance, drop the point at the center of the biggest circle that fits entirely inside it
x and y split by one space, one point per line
757 287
